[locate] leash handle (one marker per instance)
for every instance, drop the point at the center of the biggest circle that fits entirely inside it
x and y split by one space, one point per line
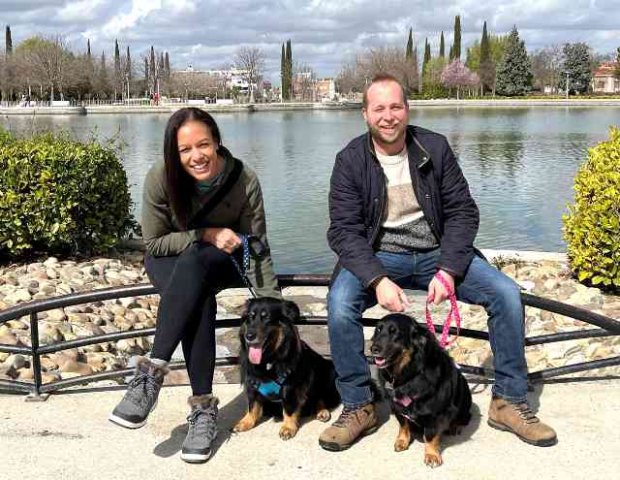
242 269
453 313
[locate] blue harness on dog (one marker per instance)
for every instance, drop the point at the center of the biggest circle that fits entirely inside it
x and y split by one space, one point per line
272 389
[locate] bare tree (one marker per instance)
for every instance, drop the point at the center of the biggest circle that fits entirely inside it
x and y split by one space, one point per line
304 83
251 62
47 59
547 67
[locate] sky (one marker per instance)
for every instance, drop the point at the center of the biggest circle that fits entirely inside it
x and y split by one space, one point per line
324 34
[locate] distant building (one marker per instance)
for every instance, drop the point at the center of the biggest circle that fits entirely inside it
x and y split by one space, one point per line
604 79
326 88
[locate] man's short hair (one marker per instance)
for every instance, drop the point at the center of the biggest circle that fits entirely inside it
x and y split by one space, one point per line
382 77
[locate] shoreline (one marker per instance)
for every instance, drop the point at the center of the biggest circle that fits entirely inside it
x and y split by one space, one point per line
295 106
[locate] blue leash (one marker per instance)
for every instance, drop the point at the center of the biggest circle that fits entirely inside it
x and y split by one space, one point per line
242 269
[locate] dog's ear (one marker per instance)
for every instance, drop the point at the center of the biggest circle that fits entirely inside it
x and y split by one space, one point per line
290 310
245 308
416 336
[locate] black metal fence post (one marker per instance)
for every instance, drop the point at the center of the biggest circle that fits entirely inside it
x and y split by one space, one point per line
35 394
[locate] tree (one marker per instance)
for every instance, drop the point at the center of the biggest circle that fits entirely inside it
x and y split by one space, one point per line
514 76
304 84
456 46
617 69
411 81
289 69
547 67
486 71
118 74
442 46
431 80
7 70
457 75
167 65
283 72
102 84
578 65
88 49
251 62
48 60
427 55
8 41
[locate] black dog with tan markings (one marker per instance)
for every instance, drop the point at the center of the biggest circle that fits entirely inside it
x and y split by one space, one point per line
428 394
277 367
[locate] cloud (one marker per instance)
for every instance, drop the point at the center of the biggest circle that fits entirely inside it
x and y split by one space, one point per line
324 33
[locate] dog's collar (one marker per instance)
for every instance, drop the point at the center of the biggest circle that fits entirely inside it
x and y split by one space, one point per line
272 389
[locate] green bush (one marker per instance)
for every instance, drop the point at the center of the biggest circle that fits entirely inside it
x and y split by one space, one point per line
592 226
61 196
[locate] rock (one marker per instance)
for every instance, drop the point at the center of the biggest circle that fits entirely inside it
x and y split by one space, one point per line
48 363
49 333
76 367
51 273
51 262
19 295
49 377
56 315
25 374
9 339
15 361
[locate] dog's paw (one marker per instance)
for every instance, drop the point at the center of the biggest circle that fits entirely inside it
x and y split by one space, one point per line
432 459
243 426
400 445
323 415
287 432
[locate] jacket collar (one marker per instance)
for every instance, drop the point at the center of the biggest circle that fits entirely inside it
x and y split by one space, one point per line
416 151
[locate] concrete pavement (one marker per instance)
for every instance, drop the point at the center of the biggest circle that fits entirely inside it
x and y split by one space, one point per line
69 437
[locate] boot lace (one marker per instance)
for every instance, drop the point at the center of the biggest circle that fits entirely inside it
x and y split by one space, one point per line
203 423
142 389
525 412
347 415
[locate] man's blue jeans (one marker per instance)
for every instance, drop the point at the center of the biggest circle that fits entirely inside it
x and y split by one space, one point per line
482 285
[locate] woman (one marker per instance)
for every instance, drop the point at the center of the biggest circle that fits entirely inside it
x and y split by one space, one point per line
197 203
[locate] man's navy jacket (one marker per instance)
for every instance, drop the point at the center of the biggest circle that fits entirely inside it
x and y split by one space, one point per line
358 194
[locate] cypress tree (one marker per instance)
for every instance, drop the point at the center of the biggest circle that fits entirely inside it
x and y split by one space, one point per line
146 71
117 58
283 73
617 69
289 69
152 70
8 39
514 76
88 49
409 49
456 46
451 52
167 65
486 68
427 55
128 70
442 46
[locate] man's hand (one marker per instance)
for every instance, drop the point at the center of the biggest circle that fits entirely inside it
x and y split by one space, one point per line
391 296
437 293
223 238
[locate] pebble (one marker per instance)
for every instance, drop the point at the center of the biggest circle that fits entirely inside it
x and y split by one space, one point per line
54 277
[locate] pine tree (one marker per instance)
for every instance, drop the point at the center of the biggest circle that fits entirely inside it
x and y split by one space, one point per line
577 62
8 41
486 70
514 75
442 46
456 46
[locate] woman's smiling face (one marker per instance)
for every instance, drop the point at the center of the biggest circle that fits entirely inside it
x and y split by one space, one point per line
198 151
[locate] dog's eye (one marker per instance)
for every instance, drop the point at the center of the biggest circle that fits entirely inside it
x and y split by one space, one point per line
263 314
379 328
252 314
391 329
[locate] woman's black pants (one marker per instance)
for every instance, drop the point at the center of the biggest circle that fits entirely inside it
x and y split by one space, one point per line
187 285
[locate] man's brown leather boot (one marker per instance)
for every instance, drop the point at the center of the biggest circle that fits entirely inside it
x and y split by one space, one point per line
352 424
520 420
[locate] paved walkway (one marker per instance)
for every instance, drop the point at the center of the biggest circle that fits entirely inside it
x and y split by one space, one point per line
69 437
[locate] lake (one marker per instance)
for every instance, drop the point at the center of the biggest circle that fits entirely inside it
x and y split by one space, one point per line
519 162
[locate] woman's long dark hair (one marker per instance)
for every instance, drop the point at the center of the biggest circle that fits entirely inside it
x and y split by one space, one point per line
180 184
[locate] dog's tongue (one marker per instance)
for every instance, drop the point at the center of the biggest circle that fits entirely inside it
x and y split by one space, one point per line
379 362
255 354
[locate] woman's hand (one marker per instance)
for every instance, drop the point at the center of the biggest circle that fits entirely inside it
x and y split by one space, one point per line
223 238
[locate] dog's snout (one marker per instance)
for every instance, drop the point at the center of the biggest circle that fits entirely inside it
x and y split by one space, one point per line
374 349
250 336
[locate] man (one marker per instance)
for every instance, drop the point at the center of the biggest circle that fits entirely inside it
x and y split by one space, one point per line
402 215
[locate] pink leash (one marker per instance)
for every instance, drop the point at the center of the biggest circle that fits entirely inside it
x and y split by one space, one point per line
453 313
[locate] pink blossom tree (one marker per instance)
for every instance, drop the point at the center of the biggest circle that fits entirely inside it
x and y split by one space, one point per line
457 75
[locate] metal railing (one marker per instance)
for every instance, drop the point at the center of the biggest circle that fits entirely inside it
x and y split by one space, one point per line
607 327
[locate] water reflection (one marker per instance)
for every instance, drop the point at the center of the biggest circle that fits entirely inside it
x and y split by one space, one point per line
519 162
